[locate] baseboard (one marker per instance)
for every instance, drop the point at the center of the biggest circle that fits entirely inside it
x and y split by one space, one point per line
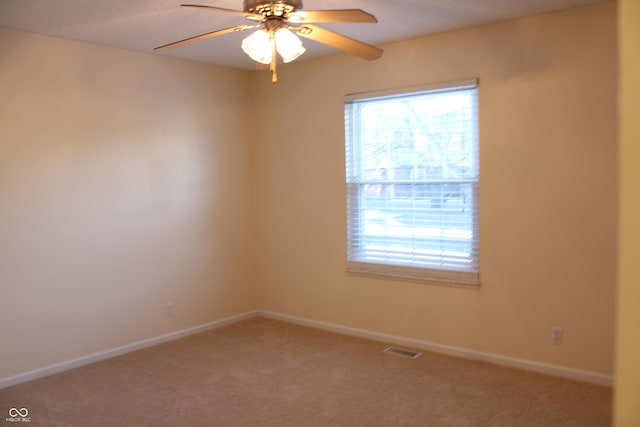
106 354
555 370
559 371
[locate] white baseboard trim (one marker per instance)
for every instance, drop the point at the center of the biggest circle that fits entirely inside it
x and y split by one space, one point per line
106 354
543 368
555 370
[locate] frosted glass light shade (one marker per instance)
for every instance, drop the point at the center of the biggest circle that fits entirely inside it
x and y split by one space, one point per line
259 46
289 45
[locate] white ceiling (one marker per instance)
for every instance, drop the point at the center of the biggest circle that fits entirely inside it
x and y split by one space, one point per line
141 25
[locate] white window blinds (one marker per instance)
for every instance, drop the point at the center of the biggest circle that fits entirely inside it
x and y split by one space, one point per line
412 183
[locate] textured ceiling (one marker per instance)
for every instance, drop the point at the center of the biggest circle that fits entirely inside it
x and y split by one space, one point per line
141 25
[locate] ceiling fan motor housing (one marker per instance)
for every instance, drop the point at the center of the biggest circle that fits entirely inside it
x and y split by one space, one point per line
272 9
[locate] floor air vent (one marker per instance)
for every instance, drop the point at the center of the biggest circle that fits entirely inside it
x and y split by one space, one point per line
409 354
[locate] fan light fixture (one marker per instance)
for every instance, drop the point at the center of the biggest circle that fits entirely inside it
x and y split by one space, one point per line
261 44
279 23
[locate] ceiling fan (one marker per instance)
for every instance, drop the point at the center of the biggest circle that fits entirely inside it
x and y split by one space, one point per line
277 23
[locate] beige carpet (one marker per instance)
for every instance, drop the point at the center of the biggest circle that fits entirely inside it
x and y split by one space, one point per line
262 372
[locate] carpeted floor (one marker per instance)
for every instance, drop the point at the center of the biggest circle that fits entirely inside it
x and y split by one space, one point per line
262 372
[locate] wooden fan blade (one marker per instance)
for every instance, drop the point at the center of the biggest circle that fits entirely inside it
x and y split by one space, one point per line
339 41
342 15
248 15
206 36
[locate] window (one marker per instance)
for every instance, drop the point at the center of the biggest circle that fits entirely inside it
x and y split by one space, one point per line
412 183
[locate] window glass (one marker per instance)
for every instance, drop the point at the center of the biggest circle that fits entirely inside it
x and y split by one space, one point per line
412 184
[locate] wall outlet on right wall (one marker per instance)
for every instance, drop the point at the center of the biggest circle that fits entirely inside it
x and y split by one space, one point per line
557 335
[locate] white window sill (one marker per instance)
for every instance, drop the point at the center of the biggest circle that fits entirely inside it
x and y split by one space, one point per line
415 274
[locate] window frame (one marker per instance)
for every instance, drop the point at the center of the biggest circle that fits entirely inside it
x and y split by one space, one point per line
466 277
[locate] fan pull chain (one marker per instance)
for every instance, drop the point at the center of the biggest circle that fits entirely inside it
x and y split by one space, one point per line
274 58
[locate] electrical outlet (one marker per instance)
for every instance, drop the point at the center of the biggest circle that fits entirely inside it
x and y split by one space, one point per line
557 335
168 309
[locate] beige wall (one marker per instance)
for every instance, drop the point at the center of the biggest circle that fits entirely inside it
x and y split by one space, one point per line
548 190
627 396
123 186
